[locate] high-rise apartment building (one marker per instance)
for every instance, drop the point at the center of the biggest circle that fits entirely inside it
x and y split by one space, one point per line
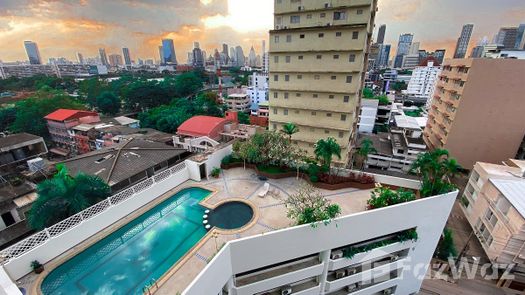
507 37
239 56
403 48
381 34
33 54
252 58
423 80
520 37
463 41
196 56
384 55
80 58
127 56
115 60
318 56
103 56
476 114
161 55
168 52
226 52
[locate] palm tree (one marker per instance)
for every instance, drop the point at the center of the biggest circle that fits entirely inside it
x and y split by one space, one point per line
435 169
366 148
325 150
289 129
63 196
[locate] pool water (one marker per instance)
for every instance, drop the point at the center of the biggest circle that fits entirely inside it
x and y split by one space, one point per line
231 215
136 254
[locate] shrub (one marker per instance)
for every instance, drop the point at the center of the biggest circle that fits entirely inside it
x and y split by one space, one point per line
407 235
35 265
446 248
215 172
309 206
352 177
383 197
227 160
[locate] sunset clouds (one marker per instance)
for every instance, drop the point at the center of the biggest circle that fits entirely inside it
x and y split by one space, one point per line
62 28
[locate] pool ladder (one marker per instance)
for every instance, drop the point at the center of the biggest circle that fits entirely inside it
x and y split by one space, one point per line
147 288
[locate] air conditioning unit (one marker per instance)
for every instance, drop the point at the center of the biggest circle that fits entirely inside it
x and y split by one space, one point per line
353 287
286 290
394 258
336 254
339 274
387 291
300 8
351 271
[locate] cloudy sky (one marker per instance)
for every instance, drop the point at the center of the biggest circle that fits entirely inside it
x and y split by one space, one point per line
64 27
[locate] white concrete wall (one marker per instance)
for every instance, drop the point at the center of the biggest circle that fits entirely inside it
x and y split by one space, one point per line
19 266
214 160
7 287
428 215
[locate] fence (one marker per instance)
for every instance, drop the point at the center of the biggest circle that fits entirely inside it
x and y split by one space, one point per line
71 222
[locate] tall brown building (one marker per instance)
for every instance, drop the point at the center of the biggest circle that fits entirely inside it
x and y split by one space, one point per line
478 109
318 57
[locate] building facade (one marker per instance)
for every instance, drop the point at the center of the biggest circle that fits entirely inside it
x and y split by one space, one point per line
168 56
507 37
318 56
103 57
403 48
463 41
475 113
423 80
257 90
127 56
33 54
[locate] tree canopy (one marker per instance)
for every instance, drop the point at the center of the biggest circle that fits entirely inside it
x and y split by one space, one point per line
435 168
309 206
108 103
326 149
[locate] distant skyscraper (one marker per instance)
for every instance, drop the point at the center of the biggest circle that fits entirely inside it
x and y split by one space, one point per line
507 37
161 55
239 56
520 38
33 54
381 34
233 55
80 58
115 60
384 55
265 58
127 57
197 60
252 58
168 52
225 52
463 41
103 56
439 54
403 48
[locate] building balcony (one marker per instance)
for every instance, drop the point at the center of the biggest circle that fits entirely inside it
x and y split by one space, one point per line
317 83
310 64
312 5
320 122
311 42
320 106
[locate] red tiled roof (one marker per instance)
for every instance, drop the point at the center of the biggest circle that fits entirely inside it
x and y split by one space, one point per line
200 125
64 114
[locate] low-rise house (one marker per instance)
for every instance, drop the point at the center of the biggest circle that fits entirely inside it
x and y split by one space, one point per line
20 147
128 163
128 122
494 204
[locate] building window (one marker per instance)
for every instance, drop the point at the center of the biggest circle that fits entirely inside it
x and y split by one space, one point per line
315 95
336 56
300 57
309 16
338 34
276 77
275 113
346 98
322 15
348 79
289 38
275 95
327 131
317 77
351 58
341 134
343 117
359 11
355 35
286 78
299 77
321 35
319 56
276 59
295 19
286 112
331 96
328 114
339 15
288 59
314 114
333 77
301 36
298 94
276 39
286 95
274 126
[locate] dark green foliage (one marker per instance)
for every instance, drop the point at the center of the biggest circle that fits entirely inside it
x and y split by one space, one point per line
368 93
384 197
408 235
243 118
446 248
435 169
187 84
7 117
108 103
326 149
30 113
215 172
399 86
414 113
143 95
63 196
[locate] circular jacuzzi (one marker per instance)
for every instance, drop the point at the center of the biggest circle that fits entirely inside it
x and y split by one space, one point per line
230 215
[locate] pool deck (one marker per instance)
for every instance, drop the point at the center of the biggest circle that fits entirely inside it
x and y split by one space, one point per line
233 184
271 215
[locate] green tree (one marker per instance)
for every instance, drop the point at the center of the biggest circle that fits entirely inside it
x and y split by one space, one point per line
435 168
108 103
63 196
91 89
325 150
309 206
243 118
143 95
188 83
384 197
31 112
366 148
446 247
7 117
289 129
368 93
399 86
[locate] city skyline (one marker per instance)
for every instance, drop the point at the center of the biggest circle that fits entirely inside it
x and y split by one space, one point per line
63 29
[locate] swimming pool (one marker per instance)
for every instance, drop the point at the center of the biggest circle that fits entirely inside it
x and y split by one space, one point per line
231 215
134 255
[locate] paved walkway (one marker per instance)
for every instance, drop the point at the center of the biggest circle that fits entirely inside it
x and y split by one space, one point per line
240 183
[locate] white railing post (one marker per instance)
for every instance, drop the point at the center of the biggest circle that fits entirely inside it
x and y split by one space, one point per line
47 233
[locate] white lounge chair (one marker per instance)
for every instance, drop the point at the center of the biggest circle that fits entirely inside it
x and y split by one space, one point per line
265 190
